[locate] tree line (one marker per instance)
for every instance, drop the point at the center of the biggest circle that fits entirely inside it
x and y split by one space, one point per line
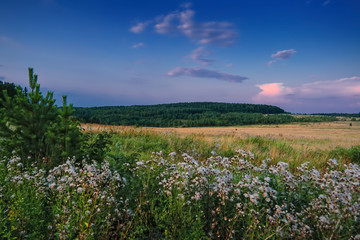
192 114
188 114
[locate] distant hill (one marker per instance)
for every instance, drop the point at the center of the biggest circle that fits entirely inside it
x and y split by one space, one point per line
194 114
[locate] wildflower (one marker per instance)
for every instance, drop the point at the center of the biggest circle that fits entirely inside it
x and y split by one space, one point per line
140 163
332 162
197 196
253 198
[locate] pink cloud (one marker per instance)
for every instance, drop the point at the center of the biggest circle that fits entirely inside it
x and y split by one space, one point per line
273 93
204 73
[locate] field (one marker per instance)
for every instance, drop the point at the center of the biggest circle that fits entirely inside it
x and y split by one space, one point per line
293 181
323 136
293 143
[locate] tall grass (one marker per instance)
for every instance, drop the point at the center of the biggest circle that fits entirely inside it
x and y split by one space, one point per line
163 186
140 144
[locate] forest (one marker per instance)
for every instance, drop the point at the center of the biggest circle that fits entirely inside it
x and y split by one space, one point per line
192 114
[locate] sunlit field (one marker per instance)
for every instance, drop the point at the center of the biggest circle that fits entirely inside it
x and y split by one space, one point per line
174 184
324 135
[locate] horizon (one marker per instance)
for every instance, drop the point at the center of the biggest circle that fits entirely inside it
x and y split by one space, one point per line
302 56
286 112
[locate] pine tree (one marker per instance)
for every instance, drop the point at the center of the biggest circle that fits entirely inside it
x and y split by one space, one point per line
32 127
10 89
65 136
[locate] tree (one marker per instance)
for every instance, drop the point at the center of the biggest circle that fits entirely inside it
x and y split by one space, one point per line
32 127
9 87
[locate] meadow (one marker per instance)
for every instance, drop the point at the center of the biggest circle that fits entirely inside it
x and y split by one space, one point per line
298 181
63 180
293 143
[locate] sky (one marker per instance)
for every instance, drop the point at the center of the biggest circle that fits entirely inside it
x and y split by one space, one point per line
300 55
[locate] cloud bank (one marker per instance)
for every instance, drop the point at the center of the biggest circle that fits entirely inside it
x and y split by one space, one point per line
183 23
204 73
334 93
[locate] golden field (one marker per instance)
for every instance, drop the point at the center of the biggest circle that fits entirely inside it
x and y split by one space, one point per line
321 136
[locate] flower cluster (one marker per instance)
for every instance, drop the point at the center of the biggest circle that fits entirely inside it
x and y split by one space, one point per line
237 197
85 199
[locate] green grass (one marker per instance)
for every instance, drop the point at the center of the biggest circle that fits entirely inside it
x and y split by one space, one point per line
139 145
164 186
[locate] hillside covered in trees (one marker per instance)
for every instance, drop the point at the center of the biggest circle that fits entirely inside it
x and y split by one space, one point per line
195 114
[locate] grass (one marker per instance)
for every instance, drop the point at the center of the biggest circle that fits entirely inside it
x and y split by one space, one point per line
252 182
292 143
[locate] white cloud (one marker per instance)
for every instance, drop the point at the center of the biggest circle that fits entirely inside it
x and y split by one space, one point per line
284 54
138 45
139 27
182 22
270 63
339 88
204 73
200 55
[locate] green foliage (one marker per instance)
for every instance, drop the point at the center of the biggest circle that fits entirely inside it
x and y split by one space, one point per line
172 195
24 211
196 114
10 88
351 154
96 146
184 114
35 129
70 201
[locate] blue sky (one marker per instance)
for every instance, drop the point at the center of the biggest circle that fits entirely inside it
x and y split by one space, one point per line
301 55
